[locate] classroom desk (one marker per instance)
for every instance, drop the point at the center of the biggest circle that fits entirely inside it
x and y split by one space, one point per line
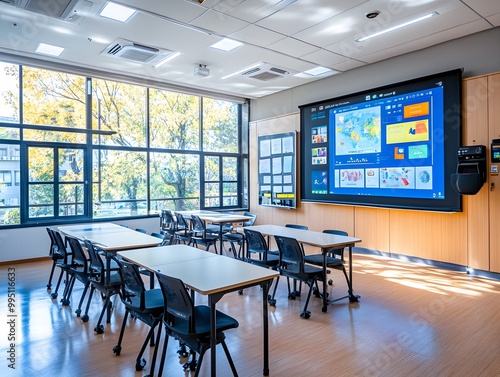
110 238
209 274
219 218
325 241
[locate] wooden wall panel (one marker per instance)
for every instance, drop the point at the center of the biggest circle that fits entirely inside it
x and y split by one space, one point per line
429 235
372 226
475 100
494 205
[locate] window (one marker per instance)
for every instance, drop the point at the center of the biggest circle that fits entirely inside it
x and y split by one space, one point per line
56 182
6 177
90 148
9 92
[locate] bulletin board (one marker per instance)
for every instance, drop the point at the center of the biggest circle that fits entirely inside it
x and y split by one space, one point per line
277 170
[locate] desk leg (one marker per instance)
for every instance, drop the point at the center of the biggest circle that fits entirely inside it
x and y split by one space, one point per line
220 235
213 337
265 323
352 296
325 298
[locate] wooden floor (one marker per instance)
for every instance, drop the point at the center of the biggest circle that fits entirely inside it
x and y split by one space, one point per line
411 320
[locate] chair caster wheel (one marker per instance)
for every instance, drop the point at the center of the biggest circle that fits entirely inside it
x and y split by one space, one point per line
99 329
117 350
139 365
305 314
324 309
53 295
291 296
78 312
330 282
49 286
272 302
190 366
85 318
65 302
353 298
240 292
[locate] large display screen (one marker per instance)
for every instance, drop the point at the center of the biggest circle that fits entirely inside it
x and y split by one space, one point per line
393 146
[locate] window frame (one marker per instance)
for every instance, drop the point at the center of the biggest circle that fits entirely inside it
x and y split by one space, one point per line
22 146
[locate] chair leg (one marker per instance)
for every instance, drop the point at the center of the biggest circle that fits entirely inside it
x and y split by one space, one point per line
305 313
229 358
85 316
78 311
68 289
100 328
272 300
117 349
53 295
157 344
49 283
163 353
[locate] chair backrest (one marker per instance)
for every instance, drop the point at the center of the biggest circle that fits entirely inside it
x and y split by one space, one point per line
178 302
256 243
297 226
96 265
132 285
79 257
53 247
167 238
167 221
181 222
60 246
140 230
197 225
291 254
252 221
339 251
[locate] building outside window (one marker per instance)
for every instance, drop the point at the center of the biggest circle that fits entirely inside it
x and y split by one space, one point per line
86 148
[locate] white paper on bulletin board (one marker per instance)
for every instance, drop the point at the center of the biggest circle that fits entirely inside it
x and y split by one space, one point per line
265 148
287 164
265 166
277 168
276 146
288 146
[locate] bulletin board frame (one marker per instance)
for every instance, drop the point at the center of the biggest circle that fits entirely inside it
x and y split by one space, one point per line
277 170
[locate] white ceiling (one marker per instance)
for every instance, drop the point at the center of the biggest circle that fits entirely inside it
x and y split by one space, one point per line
294 35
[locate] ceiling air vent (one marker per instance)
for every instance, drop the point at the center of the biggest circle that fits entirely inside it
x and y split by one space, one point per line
266 72
136 52
68 10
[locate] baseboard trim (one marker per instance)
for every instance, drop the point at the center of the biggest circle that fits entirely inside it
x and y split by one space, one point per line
430 262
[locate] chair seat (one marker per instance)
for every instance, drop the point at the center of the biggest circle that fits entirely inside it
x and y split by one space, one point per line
317 259
234 237
202 313
272 261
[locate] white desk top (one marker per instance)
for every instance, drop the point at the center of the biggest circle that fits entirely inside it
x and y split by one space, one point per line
109 236
216 217
207 273
309 237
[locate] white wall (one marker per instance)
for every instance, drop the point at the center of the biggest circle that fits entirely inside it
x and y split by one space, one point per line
477 54
33 242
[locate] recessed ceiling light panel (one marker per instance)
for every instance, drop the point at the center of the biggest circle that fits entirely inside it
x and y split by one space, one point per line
227 44
117 12
44 48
